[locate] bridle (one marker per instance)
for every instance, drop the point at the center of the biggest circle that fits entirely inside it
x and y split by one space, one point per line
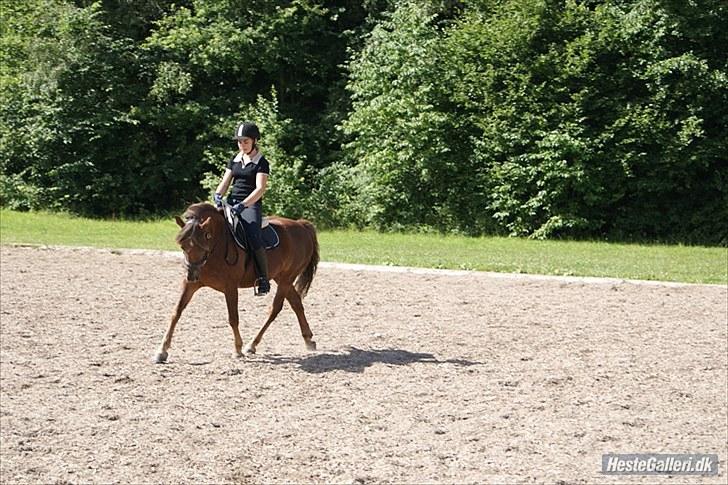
194 267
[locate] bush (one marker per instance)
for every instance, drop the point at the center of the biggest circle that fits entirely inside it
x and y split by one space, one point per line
403 133
544 119
17 194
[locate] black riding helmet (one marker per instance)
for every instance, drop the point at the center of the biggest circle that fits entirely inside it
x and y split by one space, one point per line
247 129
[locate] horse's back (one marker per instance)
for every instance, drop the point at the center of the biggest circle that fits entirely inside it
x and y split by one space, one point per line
290 226
297 237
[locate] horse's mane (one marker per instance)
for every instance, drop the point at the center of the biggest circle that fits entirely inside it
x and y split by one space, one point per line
195 213
199 211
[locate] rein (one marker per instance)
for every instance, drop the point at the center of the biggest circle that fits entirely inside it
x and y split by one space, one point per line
227 242
227 245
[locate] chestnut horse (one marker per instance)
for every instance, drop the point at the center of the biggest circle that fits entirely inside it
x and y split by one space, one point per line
213 259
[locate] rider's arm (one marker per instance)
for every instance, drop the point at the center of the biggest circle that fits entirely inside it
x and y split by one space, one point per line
261 183
225 182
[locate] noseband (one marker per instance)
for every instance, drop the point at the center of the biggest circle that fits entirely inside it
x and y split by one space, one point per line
194 267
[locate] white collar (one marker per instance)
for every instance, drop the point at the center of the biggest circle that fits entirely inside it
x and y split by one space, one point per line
246 159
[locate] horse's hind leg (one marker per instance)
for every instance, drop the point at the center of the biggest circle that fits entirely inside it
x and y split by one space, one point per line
188 289
295 300
275 309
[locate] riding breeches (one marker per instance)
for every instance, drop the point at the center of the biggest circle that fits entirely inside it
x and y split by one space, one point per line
251 218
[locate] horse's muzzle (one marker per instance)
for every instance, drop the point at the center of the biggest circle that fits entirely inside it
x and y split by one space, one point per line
193 274
194 268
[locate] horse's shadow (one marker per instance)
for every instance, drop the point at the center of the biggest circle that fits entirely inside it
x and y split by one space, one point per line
357 360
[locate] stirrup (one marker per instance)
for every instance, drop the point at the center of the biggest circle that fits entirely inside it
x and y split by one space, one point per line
262 287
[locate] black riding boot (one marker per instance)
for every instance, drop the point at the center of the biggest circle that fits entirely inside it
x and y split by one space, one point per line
261 260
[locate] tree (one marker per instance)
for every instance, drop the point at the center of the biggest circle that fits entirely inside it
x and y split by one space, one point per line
595 121
65 114
403 135
130 94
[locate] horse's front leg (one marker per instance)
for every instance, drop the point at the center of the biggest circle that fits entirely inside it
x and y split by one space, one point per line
231 298
188 289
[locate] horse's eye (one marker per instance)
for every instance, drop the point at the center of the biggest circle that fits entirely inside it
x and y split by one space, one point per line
208 235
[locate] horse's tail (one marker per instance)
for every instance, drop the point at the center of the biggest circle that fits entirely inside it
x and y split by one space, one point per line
303 282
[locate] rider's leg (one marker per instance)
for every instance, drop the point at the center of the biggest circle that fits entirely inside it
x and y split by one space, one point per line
263 284
251 217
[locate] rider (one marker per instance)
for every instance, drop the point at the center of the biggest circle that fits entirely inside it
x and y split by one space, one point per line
248 171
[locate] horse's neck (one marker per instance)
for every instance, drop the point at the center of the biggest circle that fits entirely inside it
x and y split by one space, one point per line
225 239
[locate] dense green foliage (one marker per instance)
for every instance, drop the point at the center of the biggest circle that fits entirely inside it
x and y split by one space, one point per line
549 118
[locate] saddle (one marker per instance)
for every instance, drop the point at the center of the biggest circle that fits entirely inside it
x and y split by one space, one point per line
269 233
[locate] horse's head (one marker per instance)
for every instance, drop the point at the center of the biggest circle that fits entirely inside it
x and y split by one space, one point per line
197 236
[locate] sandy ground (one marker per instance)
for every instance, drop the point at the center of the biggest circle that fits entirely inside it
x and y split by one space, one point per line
419 378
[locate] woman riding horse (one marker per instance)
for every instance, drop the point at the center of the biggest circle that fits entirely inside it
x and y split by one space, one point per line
248 171
214 260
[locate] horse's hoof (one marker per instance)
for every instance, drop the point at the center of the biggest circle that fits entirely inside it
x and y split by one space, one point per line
249 349
238 355
310 345
160 358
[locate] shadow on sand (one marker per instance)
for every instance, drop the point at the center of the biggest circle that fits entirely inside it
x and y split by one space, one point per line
357 360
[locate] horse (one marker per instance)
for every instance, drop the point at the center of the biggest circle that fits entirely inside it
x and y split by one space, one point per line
214 260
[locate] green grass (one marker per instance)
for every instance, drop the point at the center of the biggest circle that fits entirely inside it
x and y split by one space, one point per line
66 230
574 258
632 261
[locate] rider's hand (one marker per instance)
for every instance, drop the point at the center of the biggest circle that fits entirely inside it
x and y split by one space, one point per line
218 200
238 208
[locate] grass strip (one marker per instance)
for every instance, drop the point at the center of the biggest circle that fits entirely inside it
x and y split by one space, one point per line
687 264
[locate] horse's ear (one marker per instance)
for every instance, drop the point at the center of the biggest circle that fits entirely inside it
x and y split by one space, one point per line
179 221
203 226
